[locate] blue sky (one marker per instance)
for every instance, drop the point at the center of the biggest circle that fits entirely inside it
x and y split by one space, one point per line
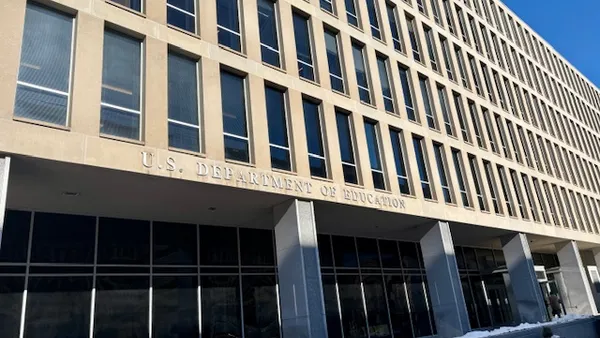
571 27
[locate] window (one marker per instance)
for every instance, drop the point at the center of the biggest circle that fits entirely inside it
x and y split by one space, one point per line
327 5
426 95
121 78
529 194
526 153
435 8
388 100
447 58
44 85
540 198
306 68
440 160
361 73
421 6
476 77
351 13
373 19
477 182
475 35
490 130
486 43
346 147
501 96
136 5
462 70
228 24
449 16
184 126
502 135
405 81
506 191
429 39
182 14
462 187
476 125
414 39
267 26
458 105
401 173
517 187
489 175
314 139
513 141
445 110
278 130
374 155
463 28
333 59
421 164
395 27
488 83
235 129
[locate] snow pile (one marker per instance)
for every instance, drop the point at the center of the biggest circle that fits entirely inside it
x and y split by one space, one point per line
525 326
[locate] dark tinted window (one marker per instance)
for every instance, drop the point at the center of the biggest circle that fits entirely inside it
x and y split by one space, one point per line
61 238
267 24
174 244
233 100
344 252
303 47
257 247
228 24
122 241
278 132
184 132
15 236
218 246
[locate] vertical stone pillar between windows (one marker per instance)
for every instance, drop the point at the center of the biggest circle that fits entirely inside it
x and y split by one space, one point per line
156 85
347 63
250 29
447 300
12 22
297 133
331 143
361 151
258 124
300 288
287 38
412 167
212 111
207 12
319 50
387 158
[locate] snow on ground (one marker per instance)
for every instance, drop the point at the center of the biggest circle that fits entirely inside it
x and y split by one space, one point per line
525 326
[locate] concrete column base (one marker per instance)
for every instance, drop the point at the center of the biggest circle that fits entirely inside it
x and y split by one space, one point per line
577 286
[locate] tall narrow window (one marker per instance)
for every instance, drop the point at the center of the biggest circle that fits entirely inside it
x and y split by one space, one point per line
361 73
449 16
306 69
445 110
346 147
506 191
462 69
267 26
426 95
351 13
513 141
235 129
184 129
395 27
121 86
373 19
502 135
228 24
388 100
462 186
136 5
435 8
421 164
314 139
501 96
477 182
278 129
461 118
182 14
489 175
374 155
441 165
401 172
431 48
529 194
475 35
44 85
490 130
463 27
405 81
540 198
519 193
526 153
488 83
447 58
476 77
414 39
421 6
327 5
333 59
476 125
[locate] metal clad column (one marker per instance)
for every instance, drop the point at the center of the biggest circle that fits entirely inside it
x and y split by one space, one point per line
4 170
447 300
577 285
300 289
528 296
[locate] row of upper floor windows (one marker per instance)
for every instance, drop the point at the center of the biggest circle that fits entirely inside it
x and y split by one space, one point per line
43 94
182 14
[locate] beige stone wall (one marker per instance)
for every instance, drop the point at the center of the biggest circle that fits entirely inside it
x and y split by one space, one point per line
80 141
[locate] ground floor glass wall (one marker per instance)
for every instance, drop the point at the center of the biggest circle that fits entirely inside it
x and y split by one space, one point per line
69 276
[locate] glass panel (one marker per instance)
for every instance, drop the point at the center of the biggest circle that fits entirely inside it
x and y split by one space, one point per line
280 159
312 122
121 307
256 246
398 305
267 26
236 149
346 146
46 48
11 298
15 237
228 23
180 19
399 160
58 307
133 4
409 254
418 302
175 306
276 117
123 241
368 254
333 60
373 146
218 245
61 238
390 256
480 301
221 315
184 137
350 175
41 105
318 167
344 252
119 123
183 89
332 312
351 301
303 47
233 100
385 85
361 73
377 311
174 244
351 12
121 70
260 307
375 31
407 92
325 256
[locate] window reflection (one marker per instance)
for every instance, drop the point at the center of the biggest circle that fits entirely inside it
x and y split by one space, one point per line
221 315
260 307
175 306
11 297
353 316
